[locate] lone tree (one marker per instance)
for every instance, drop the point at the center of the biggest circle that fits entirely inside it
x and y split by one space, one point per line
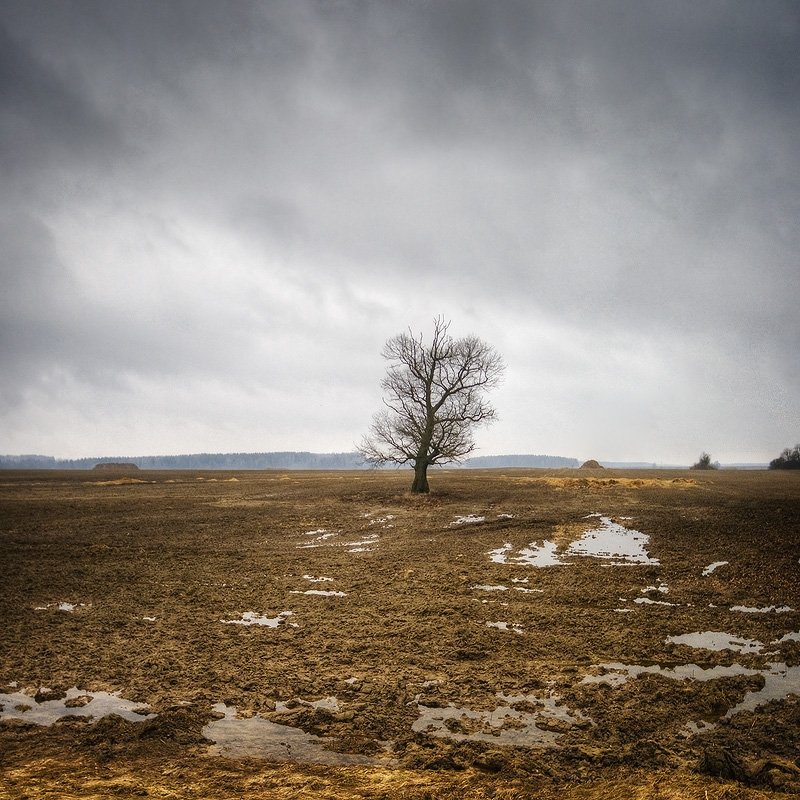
434 397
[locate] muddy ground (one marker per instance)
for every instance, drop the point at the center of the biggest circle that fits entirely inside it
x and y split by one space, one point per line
419 676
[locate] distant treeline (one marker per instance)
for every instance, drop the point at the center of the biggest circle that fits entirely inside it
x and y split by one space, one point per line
288 460
282 460
547 462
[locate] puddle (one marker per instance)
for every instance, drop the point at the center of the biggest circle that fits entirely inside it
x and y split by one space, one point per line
662 589
505 626
74 703
525 589
714 567
321 536
259 738
474 519
534 555
646 601
63 606
616 674
365 545
384 522
469 519
780 681
716 640
613 541
522 721
327 703
319 592
486 587
252 618
765 610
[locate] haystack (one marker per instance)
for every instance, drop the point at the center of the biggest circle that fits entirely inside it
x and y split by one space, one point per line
591 464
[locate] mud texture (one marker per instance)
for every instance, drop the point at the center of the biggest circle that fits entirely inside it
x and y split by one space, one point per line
135 586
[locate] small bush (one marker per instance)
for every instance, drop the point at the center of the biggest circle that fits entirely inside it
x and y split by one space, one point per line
704 462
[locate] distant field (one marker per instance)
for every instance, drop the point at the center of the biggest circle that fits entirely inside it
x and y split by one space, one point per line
517 633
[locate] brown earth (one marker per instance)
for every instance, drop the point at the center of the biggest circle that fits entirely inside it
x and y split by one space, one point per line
153 568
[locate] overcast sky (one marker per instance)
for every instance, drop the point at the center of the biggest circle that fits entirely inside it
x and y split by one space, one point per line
213 214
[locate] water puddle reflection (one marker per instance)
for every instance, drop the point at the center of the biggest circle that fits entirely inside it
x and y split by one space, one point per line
610 541
716 640
779 682
259 738
521 721
324 538
616 674
43 708
475 519
613 541
505 626
63 606
253 618
469 519
534 555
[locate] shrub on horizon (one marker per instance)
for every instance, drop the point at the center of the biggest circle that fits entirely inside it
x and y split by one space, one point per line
788 459
704 462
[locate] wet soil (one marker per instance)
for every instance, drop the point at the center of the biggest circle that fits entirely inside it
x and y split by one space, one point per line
126 587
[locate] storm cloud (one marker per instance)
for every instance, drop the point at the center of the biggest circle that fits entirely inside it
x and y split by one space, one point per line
213 214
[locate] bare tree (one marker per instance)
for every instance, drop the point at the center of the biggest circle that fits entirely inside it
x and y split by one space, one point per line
434 398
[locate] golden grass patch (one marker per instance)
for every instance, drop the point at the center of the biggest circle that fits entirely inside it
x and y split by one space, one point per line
608 483
120 482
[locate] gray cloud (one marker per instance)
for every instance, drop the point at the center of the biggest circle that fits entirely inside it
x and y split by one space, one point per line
253 196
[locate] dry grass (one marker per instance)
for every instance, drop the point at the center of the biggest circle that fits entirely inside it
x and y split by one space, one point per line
558 482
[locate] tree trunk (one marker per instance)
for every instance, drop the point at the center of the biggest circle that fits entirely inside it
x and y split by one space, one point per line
420 485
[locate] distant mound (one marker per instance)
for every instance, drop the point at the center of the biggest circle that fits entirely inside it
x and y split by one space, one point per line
116 467
591 464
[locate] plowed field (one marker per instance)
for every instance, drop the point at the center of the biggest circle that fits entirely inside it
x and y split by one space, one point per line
516 633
